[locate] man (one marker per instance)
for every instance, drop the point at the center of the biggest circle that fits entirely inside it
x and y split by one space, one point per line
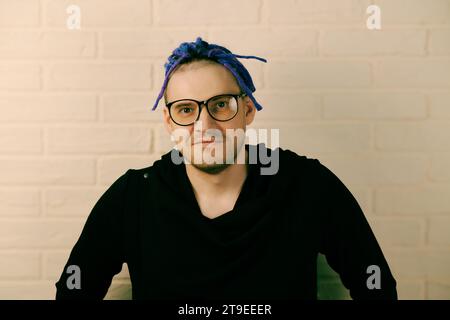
221 229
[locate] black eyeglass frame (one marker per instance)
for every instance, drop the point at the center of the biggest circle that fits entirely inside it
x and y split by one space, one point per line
205 102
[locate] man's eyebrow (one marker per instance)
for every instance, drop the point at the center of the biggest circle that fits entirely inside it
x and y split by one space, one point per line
217 94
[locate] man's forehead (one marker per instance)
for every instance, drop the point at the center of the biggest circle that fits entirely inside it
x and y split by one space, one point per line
204 87
202 94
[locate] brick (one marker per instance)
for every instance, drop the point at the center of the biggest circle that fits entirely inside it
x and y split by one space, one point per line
419 136
439 106
322 138
378 170
71 202
158 76
40 233
54 262
410 290
423 200
38 171
439 231
53 44
397 232
439 43
98 140
19 202
29 290
437 265
317 11
173 12
95 76
414 11
19 13
100 13
440 170
130 108
19 265
119 290
374 105
438 291
288 106
162 140
311 45
110 168
418 263
269 41
22 76
154 43
48 108
20 140
257 71
288 74
365 42
413 73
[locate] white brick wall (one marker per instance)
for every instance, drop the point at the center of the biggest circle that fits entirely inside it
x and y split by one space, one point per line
374 106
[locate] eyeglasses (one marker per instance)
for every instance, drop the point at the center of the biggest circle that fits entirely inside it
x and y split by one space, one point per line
223 107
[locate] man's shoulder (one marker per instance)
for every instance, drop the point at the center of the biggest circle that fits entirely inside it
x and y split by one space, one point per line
294 158
286 162
146 171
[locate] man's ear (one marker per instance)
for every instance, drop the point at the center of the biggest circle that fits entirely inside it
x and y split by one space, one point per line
250 110
167 121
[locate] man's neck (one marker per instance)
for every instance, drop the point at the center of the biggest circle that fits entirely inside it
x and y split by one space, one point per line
229 180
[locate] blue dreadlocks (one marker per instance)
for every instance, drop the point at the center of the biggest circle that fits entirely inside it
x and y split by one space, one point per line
198 50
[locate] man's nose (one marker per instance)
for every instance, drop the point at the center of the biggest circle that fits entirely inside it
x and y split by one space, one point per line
205 117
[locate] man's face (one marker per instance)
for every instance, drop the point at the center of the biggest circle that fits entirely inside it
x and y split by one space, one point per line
201 80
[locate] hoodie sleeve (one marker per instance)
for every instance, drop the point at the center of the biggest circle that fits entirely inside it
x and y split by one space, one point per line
349 245
98 254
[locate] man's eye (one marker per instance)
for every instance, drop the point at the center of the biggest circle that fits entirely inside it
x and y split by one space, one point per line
221 104
185 110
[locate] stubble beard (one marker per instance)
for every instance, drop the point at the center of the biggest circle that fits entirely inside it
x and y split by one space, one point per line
215 168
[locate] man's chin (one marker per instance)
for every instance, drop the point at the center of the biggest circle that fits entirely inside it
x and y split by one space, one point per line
211 168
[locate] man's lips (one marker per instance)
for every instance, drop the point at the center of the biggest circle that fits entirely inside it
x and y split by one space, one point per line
206 141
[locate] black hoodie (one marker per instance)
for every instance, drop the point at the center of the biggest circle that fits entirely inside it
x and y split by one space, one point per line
265 247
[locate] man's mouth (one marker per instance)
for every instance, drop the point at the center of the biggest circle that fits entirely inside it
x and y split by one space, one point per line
206 141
